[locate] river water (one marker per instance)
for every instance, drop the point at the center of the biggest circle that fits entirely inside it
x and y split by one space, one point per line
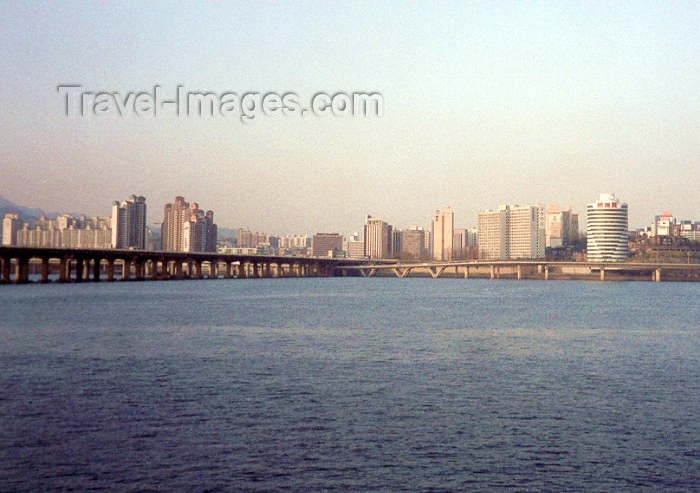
350 384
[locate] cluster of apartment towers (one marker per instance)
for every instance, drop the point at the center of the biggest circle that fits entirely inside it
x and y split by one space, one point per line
511 232
185 228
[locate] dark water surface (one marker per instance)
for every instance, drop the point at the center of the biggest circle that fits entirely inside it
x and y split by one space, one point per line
350 384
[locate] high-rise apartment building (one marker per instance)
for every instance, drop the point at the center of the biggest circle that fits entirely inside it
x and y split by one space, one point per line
606 230
199 231
377 238
187 228
174 217
512 232
443 230
129 223
493 229
526 232
10 225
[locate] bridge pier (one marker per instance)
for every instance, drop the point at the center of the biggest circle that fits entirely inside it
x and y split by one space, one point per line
63 266
657 275
96 264
493 272
126 270
546 272
79 270
602 273
466 272
22 270
44 270
110 270
5 275
520 272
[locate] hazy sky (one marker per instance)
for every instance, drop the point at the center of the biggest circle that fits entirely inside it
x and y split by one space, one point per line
486 102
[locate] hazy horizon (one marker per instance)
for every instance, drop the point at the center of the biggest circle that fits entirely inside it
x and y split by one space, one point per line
486 103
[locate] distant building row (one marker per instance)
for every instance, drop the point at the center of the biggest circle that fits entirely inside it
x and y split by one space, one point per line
125 229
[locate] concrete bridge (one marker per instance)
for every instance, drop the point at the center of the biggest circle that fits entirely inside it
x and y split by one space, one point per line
79 265
533 269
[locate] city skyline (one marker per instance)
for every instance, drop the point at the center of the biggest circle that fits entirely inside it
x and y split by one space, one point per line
504 102
155 223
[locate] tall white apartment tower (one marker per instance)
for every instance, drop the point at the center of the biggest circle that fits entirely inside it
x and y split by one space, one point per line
526 234
443 232
493 234
606 229
10 226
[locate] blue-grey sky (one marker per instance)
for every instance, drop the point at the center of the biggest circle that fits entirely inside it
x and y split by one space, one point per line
486 102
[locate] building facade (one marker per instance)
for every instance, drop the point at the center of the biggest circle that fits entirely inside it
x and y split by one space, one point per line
472 237
561 227
326 245
10 226
512 232
174 216
606 230
187 228
377 238
396 242
413 243
493 228
67 231
443 231
526 232
129 223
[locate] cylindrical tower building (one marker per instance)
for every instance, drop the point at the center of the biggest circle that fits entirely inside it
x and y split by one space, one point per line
606 229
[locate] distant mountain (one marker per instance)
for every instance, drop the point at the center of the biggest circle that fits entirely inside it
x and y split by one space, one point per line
25 213
226 232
